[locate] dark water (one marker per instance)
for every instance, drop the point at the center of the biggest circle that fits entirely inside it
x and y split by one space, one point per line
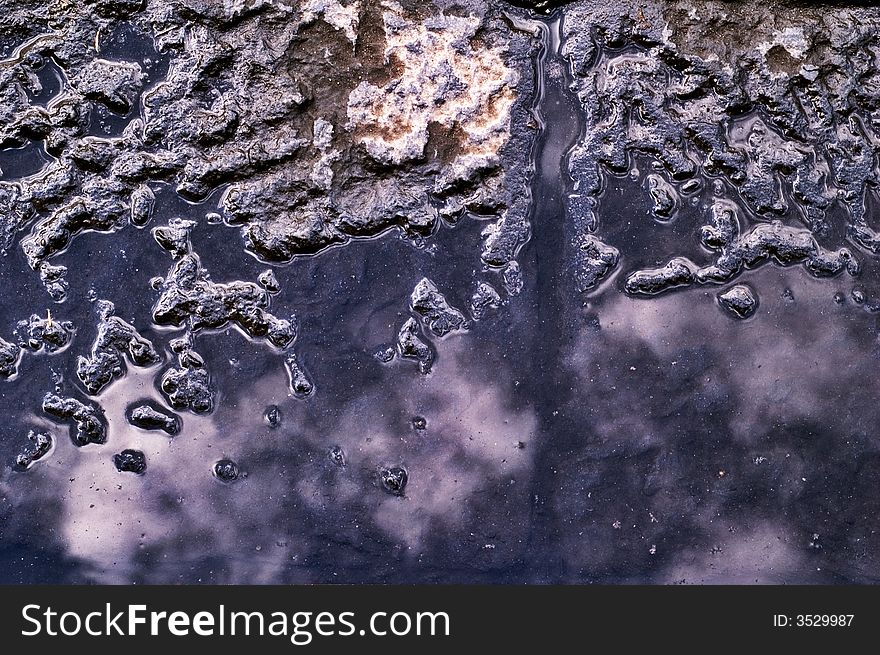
569 437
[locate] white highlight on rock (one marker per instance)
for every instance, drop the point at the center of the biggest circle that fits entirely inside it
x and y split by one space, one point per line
790 38
322 136
444 79
344 18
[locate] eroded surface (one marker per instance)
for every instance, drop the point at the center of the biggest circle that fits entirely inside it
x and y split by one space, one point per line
450 291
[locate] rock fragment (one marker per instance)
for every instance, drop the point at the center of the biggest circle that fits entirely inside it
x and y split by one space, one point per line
512 279
594 261
113 83
88 425
42 444
411 346
336 455
273 416
678 272
664 197
300 383
384 354
53 280
189 296
437 314
771 241
739 300
174 237
141 205
226 470
268 281
130 461
9 357
115 337
46 334
147 417
393 480
484 300
188 385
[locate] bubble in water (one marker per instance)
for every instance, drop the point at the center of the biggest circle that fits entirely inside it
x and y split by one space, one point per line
419 422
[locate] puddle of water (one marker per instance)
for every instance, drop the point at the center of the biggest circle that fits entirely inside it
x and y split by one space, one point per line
52 82
16 163
567 437
126 43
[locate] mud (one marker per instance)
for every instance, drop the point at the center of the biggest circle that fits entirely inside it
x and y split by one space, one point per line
130 461
452 291
149 418
739 300
114 338
42 444
87 425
